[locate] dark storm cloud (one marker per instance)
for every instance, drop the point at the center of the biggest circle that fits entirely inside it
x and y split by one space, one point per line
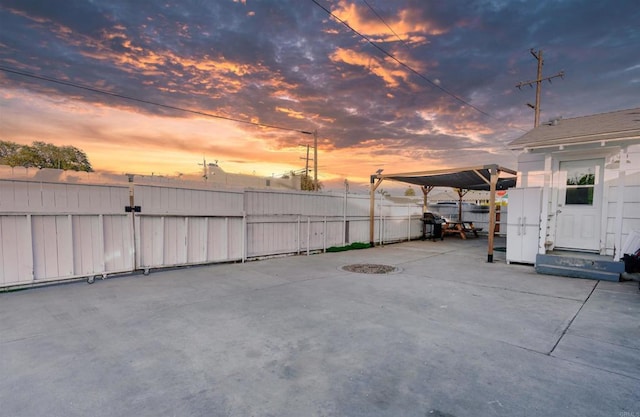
275 60
84 17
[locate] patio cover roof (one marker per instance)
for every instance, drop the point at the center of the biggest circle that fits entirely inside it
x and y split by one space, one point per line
485 177
474 178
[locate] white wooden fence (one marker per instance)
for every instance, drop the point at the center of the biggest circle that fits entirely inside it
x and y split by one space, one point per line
60 231
177 226
52 231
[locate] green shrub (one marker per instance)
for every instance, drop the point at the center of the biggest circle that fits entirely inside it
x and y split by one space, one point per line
354 245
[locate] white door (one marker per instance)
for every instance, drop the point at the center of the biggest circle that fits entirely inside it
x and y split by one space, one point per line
579 204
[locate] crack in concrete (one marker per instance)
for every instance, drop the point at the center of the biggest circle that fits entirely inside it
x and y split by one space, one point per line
566 329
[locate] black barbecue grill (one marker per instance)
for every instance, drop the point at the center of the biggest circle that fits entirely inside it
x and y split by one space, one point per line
432 226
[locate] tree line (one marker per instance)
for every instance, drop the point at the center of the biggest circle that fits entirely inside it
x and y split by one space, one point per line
43 155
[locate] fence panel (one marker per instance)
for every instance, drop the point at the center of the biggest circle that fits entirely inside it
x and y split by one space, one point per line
52 247
15 250
119 250
292 222
281 222
181 226
58 231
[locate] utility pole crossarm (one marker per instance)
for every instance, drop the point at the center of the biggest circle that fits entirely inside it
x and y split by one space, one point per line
530 83
538 82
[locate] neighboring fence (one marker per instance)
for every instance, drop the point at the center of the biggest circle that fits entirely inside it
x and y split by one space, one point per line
60 231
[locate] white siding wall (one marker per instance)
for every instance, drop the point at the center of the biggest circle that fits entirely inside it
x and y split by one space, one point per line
531 172
622 212
630 212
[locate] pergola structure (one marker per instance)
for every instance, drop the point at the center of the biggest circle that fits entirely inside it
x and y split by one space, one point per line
486 178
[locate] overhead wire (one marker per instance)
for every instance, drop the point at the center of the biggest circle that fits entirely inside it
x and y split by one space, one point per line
401 63
386 24
139 100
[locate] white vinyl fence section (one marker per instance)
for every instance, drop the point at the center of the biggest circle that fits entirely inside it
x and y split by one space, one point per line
178 226
398 223
59 231
280 222
53 231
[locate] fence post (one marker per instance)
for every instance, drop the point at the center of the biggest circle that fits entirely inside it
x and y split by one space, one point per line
308 235
245 232
186 239
103 264
226 239
324 235
31 246
344 217
206 240
380 223
298 237
137 244
73 244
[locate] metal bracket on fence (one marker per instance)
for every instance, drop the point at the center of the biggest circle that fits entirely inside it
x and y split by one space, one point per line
135 209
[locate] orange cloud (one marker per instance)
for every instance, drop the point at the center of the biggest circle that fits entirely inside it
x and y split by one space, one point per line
389 75
404 24
291 113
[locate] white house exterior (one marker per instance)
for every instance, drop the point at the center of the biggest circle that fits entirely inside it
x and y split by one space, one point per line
586 172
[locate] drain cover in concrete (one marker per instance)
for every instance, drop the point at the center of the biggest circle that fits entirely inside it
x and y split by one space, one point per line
370 268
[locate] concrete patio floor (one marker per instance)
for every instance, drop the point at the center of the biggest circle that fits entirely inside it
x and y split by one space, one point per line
447 335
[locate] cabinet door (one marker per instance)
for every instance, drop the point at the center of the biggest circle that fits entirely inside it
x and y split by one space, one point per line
523 224
531 209
514 225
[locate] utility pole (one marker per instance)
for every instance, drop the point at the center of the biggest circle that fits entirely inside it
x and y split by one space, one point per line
538 81
315 156
306 170
306 164
204 168
315 160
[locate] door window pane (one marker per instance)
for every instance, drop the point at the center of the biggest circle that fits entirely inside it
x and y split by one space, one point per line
581 180
579 195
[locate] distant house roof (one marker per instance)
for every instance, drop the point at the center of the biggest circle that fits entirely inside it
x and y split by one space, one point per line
622 125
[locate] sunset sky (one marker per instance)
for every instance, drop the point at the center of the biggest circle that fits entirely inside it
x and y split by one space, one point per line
443 96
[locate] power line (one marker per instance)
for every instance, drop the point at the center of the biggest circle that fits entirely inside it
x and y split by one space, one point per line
406 66
386 24
139 100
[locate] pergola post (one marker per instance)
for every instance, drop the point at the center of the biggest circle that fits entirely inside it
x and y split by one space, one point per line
492 210
461 193
426 189
372 205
